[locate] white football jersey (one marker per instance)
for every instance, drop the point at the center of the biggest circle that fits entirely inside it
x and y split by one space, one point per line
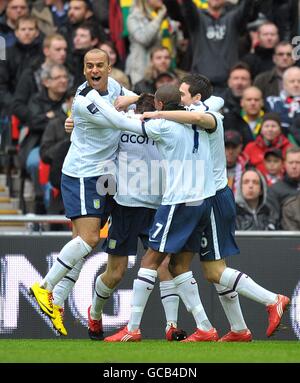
186 153
187 161
139 178
217 145
93 147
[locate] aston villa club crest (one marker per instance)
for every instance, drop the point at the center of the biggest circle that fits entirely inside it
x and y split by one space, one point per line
96 203
112 244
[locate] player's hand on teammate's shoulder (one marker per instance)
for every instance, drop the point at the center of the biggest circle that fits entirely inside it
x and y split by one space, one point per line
69 125
146 115
121 103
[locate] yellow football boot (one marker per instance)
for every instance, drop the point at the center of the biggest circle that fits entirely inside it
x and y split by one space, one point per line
57 322
43 298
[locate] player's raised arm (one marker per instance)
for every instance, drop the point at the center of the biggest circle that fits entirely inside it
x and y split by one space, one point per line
202 119
214 103
117 119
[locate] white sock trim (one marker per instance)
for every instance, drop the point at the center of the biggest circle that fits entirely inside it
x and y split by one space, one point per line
166 285
183 277
143 272
86 245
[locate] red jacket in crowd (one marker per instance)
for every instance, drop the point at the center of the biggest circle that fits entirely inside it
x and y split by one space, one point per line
256 150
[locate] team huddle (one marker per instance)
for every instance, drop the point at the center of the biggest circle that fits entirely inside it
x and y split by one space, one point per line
171 211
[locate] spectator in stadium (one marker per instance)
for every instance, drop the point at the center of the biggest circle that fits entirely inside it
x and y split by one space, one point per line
27 49
252 109
270 82
51 14
290 213
43 107
239 79
262 58
8 22
148 25
289 186
160 61
59 10
249 40
114 57
117 72
284 13
270 136
287 104
236 159
215 31
274 165
85 38
252 210
54 52
80 11
165 78
248 120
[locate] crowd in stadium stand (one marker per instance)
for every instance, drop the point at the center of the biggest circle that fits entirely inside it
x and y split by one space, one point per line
247 48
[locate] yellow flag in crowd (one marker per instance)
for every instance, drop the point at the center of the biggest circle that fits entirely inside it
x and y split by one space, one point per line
201 3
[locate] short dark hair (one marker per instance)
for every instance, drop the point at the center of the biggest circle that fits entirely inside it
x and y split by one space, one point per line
145 103
271 116
88 4
91 27
198 84
240 65
276 152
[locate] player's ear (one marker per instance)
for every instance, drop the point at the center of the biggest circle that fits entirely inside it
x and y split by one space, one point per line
197 97
109 69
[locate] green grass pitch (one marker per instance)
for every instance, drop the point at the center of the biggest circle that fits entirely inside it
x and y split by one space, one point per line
148 351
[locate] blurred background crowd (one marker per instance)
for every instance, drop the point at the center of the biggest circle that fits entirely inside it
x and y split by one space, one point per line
248 49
